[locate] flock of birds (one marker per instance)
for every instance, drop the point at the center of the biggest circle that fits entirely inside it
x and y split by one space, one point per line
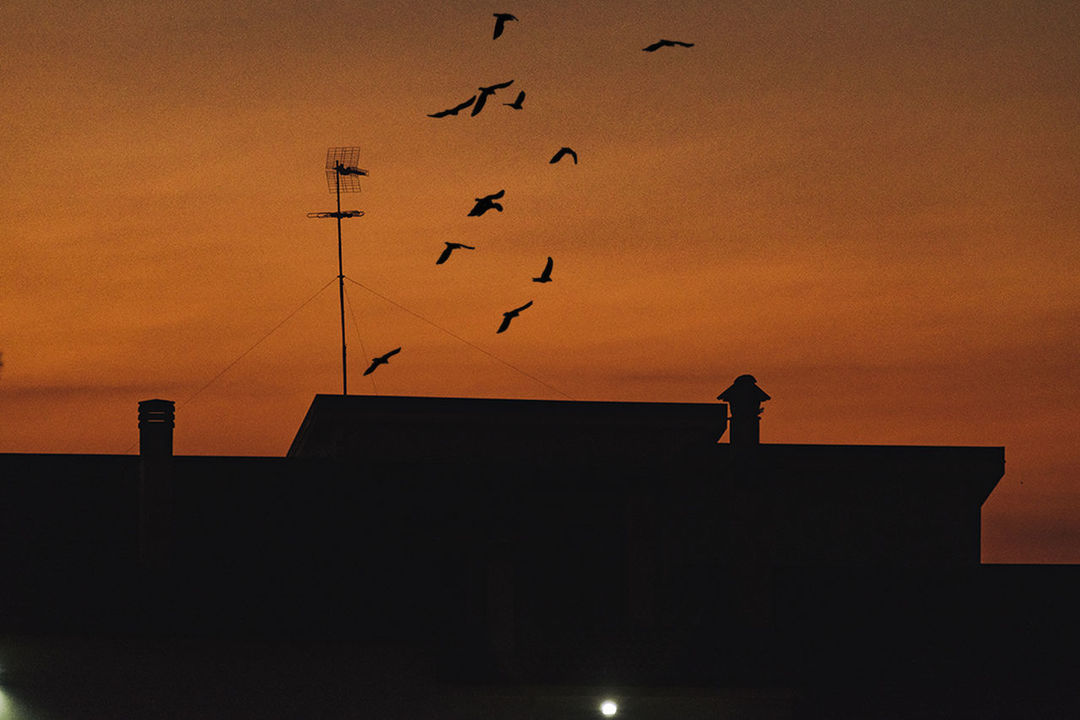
489 202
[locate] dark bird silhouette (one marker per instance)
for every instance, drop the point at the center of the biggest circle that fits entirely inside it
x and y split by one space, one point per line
483 204
451 247
381 360
546 275
485 92
517 103
666 43
454 110
508 316
562 153
500 23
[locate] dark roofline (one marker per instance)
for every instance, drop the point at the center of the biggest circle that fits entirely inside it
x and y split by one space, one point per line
474 403
979 468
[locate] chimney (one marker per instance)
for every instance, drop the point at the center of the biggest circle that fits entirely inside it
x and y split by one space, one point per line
155 482
744 398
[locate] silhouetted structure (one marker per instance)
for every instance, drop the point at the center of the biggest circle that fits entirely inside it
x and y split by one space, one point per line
548 542
342 175
156 493
745 398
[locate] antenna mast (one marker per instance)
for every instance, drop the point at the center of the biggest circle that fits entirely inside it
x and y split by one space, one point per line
342 175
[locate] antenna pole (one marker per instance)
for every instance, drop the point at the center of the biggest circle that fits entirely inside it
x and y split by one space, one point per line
342 175
341 288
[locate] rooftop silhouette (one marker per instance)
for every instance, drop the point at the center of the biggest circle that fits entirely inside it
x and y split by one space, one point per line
543 542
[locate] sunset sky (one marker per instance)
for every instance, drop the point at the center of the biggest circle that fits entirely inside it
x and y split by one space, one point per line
871 206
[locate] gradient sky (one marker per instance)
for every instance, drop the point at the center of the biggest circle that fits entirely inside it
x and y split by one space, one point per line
871 206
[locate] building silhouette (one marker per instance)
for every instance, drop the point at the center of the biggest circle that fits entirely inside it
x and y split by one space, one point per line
515 543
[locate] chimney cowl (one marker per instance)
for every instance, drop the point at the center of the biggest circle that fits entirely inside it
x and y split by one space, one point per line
743 391
744 397
157 411
156 422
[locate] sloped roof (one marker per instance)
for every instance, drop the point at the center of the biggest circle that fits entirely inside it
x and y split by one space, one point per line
430 428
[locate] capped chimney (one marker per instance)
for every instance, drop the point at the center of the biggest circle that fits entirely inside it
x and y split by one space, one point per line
744 398
156 420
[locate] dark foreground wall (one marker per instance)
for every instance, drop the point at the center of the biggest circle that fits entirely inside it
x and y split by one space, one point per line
68 533
717 568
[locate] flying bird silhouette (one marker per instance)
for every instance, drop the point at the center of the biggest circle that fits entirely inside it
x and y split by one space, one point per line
546 275
563 152
451 247
508 316
517 103
381 360
454 110
483 204
500 23
666 43
485 92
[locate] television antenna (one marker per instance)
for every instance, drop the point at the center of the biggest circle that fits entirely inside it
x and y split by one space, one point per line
342 175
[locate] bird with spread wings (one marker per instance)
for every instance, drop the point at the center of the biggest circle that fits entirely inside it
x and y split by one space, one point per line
381 360
451 247
563 152
454 110
545 276
517 104
483 204
666 43
510 315
500 23
485 93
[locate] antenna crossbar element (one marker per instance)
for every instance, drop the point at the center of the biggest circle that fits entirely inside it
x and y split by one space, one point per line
341 214
342 172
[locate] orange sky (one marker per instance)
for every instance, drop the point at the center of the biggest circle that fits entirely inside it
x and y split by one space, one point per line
871 206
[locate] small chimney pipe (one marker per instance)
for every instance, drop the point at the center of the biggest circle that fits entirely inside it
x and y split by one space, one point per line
744 398
156 421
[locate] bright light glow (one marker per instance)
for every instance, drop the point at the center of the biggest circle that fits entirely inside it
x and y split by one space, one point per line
608 708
